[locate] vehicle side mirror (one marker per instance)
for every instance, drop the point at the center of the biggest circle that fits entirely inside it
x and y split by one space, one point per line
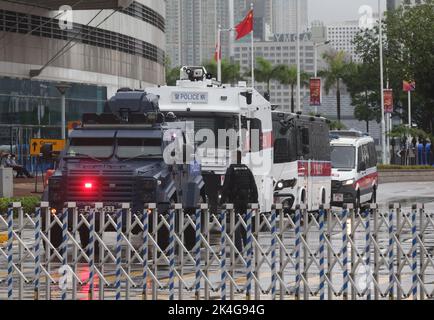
362 166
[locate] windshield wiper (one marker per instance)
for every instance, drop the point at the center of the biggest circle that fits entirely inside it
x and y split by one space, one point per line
144 155
72 155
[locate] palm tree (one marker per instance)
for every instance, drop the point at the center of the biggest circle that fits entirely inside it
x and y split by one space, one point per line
231 72
265 72
334 74
288 76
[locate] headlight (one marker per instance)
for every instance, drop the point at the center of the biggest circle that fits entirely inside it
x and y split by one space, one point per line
282 184
348 182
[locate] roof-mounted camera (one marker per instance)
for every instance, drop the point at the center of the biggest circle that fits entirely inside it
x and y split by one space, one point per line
194 74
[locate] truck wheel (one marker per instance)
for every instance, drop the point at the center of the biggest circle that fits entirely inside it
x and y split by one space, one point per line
55 239
374 195
84 233
55 235
190 232
357 204
163 238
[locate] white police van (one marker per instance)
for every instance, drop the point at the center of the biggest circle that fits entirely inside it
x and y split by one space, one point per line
354 168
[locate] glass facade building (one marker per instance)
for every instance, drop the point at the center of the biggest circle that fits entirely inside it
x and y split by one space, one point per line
34 102
98 53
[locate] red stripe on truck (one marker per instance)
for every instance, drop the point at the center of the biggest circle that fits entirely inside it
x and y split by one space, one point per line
317 168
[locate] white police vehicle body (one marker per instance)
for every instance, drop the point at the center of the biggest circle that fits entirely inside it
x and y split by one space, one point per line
354 168
227 118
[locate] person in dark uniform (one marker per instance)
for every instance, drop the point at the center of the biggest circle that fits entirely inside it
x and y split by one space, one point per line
240 189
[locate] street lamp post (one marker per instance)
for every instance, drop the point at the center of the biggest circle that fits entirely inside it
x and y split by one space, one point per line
297 4
62 90
218 53
315 61
383 122
315 51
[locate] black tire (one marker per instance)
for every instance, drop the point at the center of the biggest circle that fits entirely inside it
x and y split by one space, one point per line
84 233
303 197
190 232
55 238
357 204
374 195
163 237
55 235
189 235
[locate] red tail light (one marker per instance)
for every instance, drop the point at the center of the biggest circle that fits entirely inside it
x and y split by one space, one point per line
88 185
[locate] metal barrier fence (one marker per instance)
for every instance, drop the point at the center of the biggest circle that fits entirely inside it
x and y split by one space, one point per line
345 254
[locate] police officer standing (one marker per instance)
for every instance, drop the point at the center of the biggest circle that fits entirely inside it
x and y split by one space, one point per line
240 189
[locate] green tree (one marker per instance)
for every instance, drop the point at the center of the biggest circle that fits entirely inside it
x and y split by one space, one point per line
363 85
265 71
334 75
231 72
366 107
408 55
288 76
336 125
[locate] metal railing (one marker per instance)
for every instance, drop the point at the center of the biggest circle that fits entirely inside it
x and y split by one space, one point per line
344 254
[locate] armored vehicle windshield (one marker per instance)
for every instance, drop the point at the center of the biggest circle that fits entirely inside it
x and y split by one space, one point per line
91 147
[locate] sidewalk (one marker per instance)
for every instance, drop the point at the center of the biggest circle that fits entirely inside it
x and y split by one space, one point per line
26 187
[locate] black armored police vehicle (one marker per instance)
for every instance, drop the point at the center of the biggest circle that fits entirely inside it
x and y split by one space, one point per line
132 153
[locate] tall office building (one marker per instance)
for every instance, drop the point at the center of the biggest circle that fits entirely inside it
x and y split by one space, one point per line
341 36
280 50
191 33
263 11
191 28
104 50
284 16
393 4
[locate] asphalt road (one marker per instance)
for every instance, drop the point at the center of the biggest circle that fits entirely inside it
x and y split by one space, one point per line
406 194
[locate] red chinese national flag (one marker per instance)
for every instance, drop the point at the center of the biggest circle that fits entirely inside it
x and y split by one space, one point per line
408 86
245 26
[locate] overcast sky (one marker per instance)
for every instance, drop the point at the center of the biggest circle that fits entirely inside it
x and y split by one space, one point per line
339 10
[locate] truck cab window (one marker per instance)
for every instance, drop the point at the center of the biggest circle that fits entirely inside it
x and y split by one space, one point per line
139 147
93 147
343 157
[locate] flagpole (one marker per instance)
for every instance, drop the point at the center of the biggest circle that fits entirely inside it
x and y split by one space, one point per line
219 60
253 54
231 32
297 28
388 124
383 122
409 108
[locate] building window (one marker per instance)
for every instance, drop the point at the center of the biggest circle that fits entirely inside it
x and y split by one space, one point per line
49 28
29 102
146 14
